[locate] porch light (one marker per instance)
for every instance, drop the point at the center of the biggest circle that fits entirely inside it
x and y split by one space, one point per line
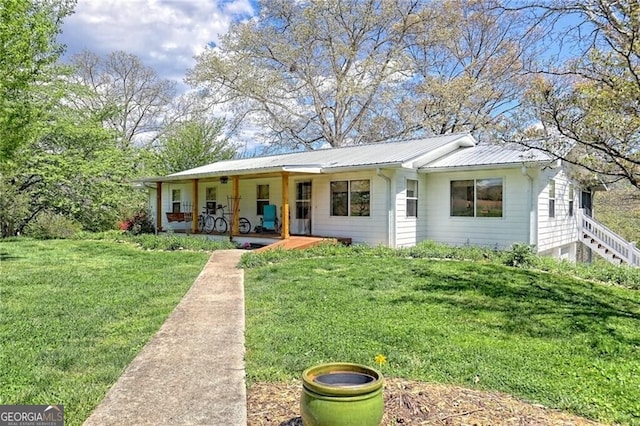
224 179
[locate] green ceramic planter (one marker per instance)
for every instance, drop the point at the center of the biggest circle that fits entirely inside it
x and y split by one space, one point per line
341 394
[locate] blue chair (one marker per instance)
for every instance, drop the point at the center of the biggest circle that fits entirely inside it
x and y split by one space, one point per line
269 218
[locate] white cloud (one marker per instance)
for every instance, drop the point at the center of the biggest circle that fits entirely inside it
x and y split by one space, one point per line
165 34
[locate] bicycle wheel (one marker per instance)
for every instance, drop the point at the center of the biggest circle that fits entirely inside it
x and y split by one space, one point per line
244 226
208 224
220 225
200 223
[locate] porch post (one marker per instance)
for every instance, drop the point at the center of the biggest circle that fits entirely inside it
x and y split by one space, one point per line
284 233
194 207
159 207
235 225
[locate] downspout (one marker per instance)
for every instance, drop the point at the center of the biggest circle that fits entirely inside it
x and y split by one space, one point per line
532 226
158 207
389 208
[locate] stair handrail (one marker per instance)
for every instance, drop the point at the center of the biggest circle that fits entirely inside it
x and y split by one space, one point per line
623 249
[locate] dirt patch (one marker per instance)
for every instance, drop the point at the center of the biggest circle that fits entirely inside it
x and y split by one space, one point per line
414 403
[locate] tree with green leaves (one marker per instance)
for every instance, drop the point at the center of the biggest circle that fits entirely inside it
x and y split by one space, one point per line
73 169
188 144
28 55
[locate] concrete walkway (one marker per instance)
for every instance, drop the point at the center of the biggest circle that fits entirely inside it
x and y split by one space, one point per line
192 370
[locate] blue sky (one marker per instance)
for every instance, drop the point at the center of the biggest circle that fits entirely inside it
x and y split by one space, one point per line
165 34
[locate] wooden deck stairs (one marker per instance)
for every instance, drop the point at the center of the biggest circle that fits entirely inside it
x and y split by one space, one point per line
297 243
608 244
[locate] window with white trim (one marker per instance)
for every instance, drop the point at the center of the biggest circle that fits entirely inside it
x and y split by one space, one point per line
176 200
211 196
350 198
571 197
412 198
262 198
477 197
552 198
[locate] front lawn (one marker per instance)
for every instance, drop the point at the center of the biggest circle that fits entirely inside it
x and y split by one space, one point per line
73 314
542 337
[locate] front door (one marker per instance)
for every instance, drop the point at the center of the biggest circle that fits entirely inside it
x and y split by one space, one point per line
302 220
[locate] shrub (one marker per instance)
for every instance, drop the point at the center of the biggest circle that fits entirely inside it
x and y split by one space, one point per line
177 242
50 225
520 255
139 223
433 250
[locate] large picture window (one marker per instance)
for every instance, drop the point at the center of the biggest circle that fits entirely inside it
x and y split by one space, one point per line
476 197
462 198
350 198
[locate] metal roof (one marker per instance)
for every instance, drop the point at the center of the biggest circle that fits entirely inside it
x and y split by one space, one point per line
487 155
407 153
361 156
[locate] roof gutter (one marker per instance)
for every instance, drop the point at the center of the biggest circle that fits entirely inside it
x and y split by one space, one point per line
343 169
475 167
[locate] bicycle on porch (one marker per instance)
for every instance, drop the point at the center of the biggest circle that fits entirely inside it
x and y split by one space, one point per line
206 221
221 225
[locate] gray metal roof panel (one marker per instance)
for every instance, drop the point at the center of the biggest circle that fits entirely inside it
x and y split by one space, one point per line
487 155
351 156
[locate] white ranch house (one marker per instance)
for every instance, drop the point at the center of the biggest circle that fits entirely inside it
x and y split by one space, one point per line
448 189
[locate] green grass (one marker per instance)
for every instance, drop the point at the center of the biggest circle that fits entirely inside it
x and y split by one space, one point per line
542 337
73 314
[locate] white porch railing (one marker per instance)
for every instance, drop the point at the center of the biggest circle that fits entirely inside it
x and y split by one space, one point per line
607 243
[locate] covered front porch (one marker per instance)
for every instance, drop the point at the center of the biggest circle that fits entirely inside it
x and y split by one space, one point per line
237 202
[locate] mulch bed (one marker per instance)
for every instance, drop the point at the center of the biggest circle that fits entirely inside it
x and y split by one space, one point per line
414 403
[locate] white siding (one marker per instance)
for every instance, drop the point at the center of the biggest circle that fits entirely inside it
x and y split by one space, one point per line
562 229
501 232
525 208
409 230
151 205
247 188
371 230
186 199
248 203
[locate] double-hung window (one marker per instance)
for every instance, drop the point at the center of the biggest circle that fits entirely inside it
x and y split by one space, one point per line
211 199
477 197
262 198
176 200
571 197
552 198
350 198
412 198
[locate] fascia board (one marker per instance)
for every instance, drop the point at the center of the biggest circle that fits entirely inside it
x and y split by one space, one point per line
470 168
344 169
464 141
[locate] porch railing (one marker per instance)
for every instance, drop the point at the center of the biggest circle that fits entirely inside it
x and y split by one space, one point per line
607 243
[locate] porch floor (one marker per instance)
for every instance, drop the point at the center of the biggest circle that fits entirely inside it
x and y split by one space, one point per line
272 241
296 243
